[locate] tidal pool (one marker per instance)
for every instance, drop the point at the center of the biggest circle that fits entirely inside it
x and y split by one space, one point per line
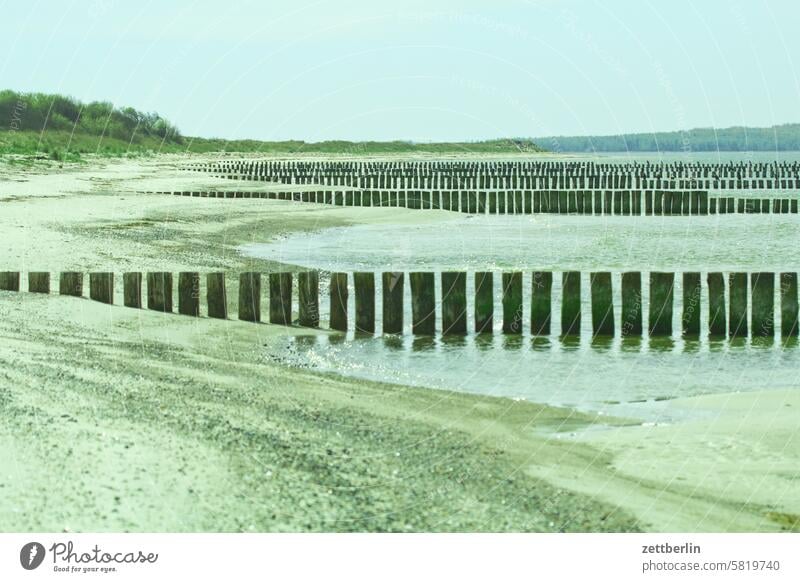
629 377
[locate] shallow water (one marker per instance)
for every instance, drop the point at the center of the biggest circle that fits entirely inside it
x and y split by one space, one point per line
550 242
622 377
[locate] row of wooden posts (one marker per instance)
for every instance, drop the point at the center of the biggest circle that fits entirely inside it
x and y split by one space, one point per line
476 182
732 321
608 202
504 182
746 174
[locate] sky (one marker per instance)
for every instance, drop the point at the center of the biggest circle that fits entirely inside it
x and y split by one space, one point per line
423 70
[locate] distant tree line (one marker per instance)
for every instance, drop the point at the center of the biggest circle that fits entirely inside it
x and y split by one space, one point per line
55 124
735 139
37 112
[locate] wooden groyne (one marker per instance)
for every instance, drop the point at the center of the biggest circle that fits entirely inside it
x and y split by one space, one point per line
714 304
574 202
522 174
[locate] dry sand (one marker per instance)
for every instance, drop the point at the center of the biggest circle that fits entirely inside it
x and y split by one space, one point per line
116 419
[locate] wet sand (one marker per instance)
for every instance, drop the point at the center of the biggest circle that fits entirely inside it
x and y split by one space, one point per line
125 420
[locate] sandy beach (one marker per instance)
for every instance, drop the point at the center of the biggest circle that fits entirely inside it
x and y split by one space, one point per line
115 419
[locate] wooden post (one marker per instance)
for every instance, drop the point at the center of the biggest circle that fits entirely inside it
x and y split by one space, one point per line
572 204
631 304
339 296
426 200
694 203
762 319
308 298
189 293
571 303
280 298
658 203
661 293
677 203
365 302
481 202
70 283
789 318
250 296
691 304
423 303
159 291
541 302
602 304
626 203
216 296
38 282
9 280
512 303
544 202
668 196
101 287
717 324
472 202
454 303
393 302
132 289
737 283
484 301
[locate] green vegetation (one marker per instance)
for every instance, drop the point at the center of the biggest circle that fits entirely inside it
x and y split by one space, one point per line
498 146
61 128
732 139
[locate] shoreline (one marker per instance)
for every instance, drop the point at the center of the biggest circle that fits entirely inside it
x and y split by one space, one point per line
92 219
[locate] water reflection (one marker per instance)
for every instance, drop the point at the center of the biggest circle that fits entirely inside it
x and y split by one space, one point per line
541 343
453 341
602 343
631 376
661 344
790 342
393 342
423 343
691 345
631 344
484 341
512 342
762 342
570 343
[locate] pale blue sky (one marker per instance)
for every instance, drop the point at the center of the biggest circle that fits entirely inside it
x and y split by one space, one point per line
422 70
